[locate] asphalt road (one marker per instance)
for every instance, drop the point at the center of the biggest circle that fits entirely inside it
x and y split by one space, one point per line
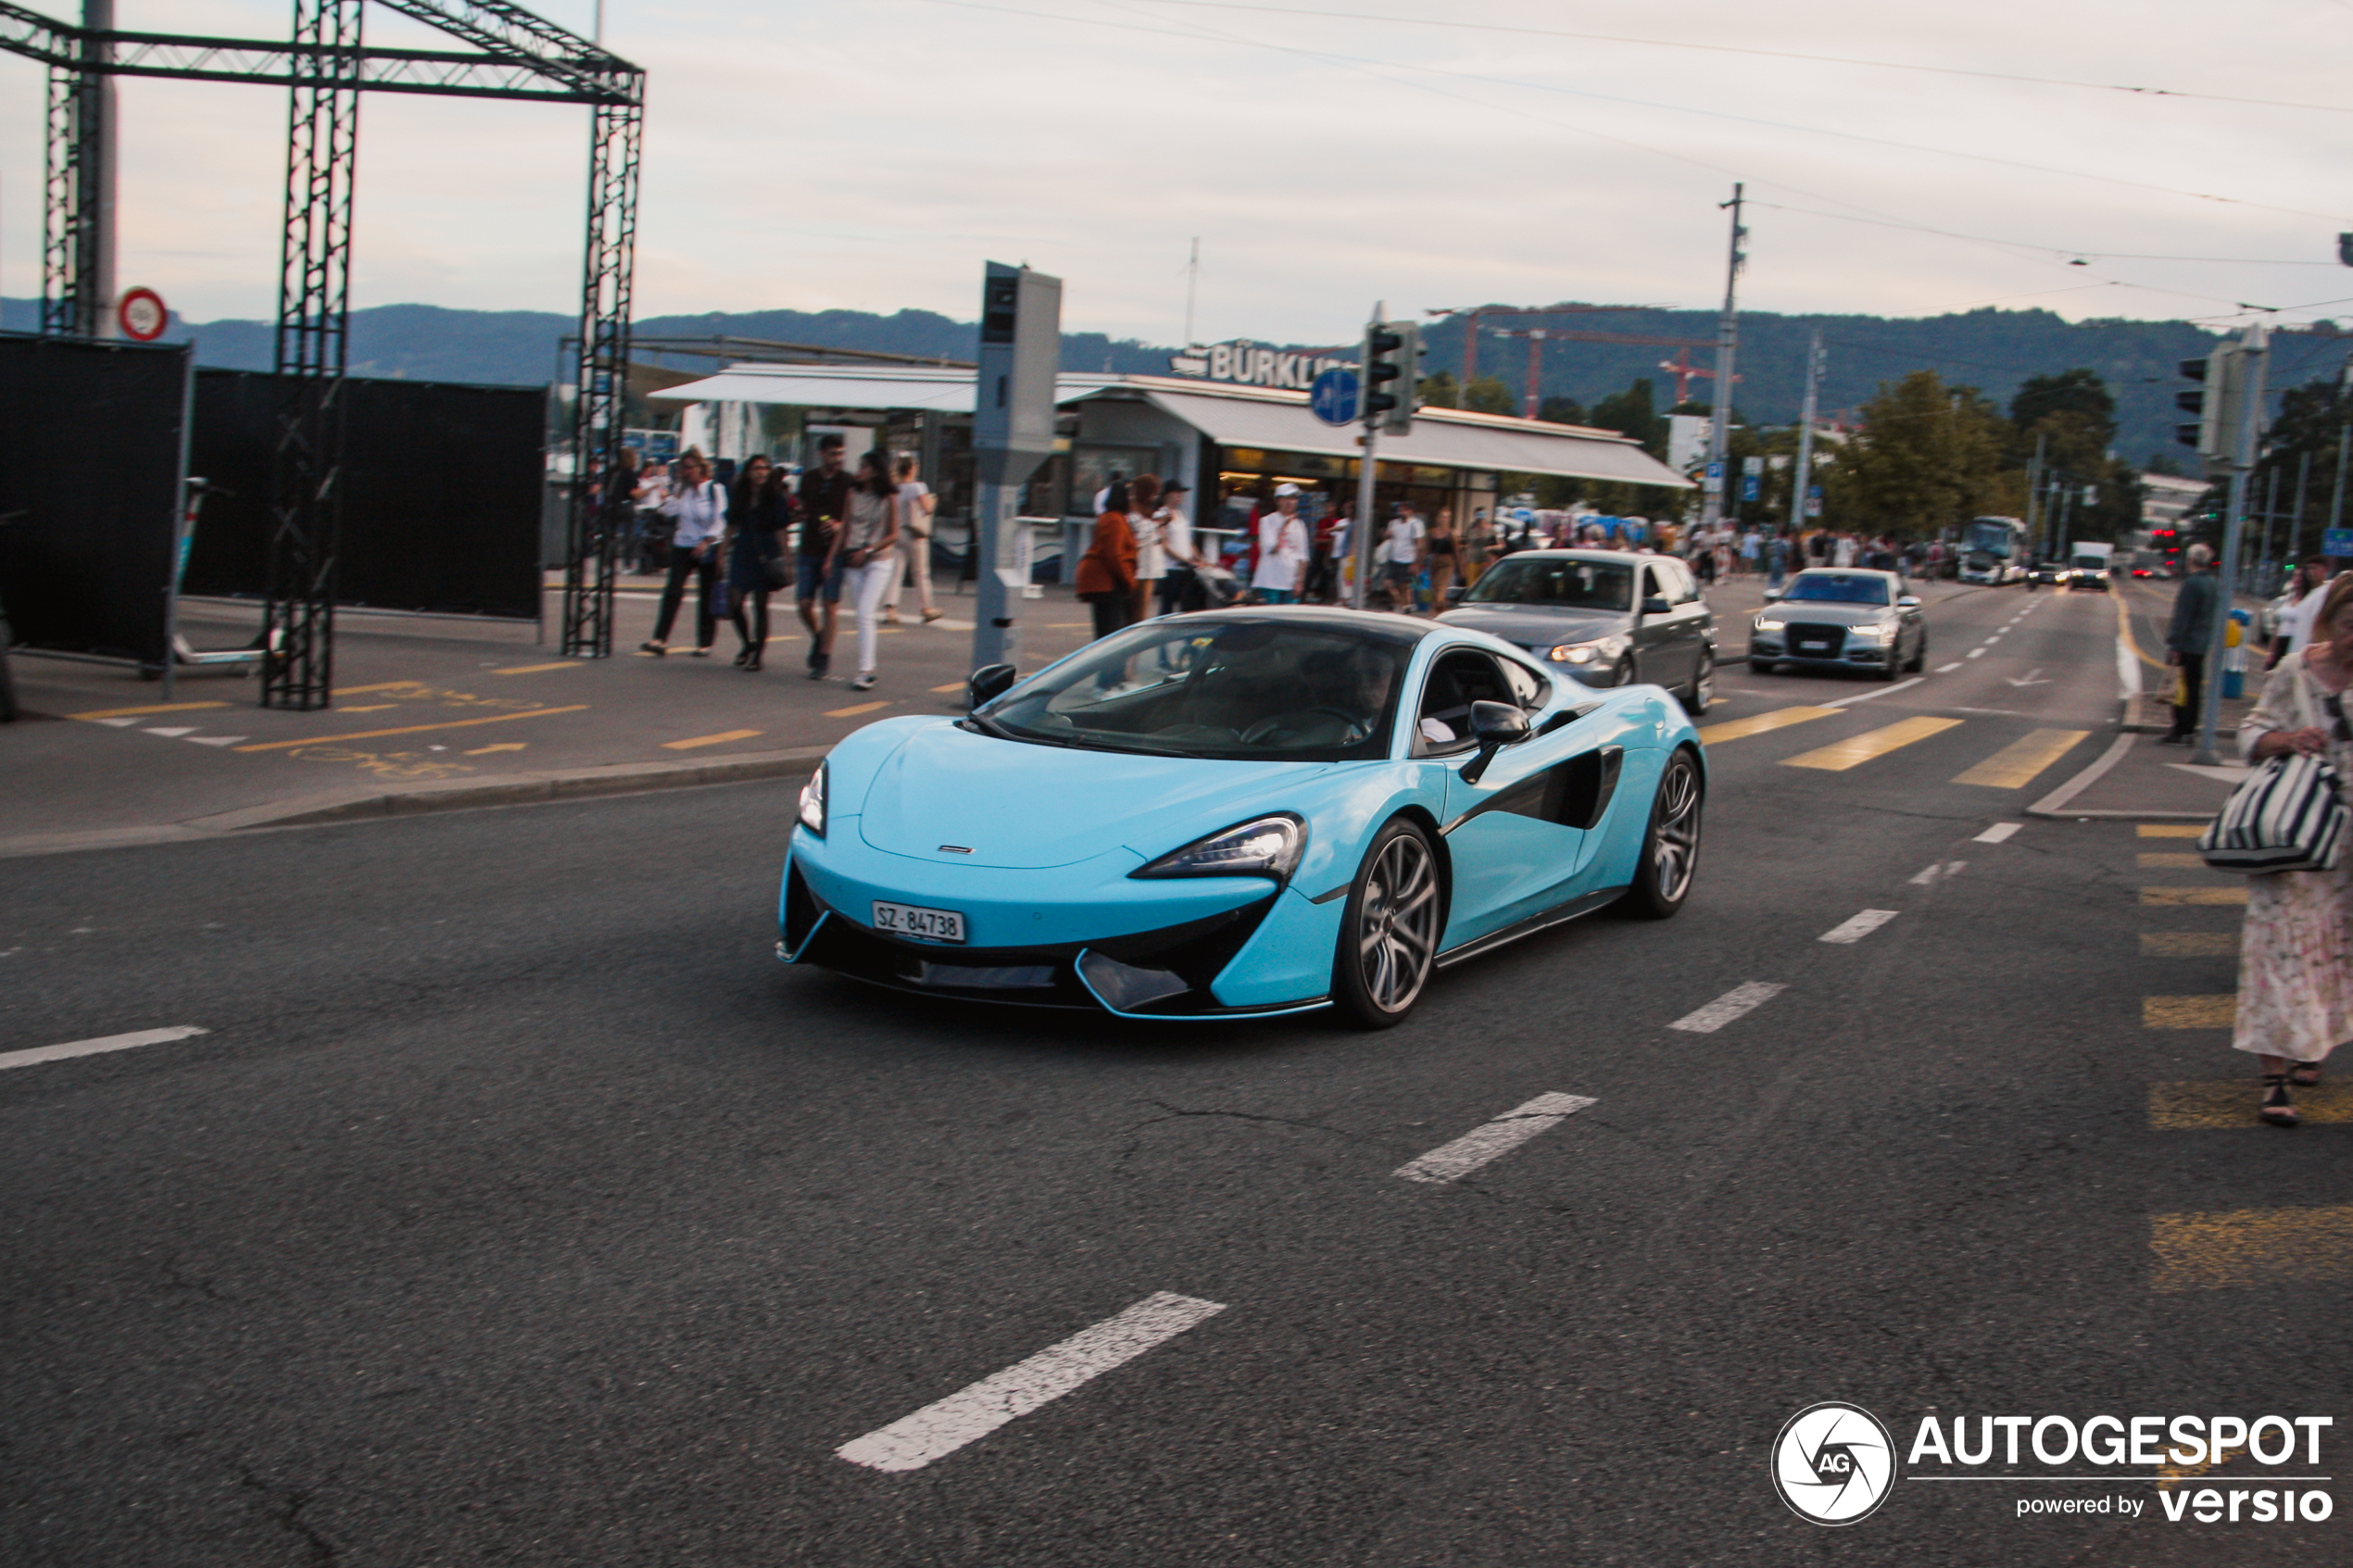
518 1207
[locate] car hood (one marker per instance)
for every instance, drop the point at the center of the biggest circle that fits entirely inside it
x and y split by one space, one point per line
1827 614
1531 626
1020 805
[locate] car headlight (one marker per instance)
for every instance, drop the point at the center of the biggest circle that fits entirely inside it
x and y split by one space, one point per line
1263 846
1764 624
812 802
1575 653
1871 633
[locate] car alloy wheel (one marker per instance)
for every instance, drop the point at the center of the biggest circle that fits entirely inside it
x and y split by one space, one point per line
1622 672
1702 697
1670 850
1389 938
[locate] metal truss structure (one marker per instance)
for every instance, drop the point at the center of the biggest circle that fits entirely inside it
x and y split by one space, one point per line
511 54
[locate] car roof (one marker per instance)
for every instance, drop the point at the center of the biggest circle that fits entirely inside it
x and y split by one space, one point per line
1373 625
1846 571
1627 555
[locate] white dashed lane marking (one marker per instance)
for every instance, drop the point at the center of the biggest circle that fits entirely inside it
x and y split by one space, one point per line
940 1428
1483 1142
1732 1004
94 1048
1948 668
1998 834
1862 926
1938 873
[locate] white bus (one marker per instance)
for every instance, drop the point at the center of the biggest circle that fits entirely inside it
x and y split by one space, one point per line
1993 550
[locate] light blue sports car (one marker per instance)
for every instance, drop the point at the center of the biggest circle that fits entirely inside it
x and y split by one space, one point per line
1240 813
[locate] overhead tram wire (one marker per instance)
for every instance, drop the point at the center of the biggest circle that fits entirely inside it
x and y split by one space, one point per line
2043 250
1767 54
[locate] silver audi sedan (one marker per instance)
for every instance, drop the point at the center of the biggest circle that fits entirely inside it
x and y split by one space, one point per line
1842 618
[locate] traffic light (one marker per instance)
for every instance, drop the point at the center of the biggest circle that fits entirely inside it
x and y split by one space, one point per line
1392 366
2222 374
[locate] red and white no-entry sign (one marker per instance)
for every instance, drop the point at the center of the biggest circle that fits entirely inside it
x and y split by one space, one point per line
141 315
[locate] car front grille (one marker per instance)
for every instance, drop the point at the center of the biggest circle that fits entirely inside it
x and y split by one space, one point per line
1807 640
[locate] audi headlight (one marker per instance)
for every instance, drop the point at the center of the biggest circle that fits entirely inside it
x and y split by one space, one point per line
1575 653
1766 624
812 802
1265 847
1871 634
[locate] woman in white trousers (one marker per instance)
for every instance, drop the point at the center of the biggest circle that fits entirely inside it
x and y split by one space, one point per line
869 554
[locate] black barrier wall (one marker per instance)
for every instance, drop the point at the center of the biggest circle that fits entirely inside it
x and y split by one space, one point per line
441 493
91 441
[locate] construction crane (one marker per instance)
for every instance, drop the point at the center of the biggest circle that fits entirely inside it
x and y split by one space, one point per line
1537 336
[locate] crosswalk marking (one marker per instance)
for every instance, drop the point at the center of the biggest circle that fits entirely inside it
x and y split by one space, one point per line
2169 860
1780 719
1856 750
1998 834
719 739
2016 765
2171 829
2190 1012
2242 1248
2194 894
104 713
2193 1107
2189 944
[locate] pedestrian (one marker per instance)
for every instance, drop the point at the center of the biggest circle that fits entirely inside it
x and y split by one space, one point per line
1445 549
1776 563
1143 521
1478 547
2187 637
1106 575
617 501
1322 564
917 503
1400 557
868 549
824 501
1181 583
760 516
696 509
1843 551
1282 550
652 555
2292 629
2295 952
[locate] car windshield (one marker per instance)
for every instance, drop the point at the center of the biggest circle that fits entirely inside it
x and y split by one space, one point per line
1569 584
1243 689
1837 588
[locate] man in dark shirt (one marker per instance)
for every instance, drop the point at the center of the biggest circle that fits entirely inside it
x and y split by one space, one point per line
824 500
2187 638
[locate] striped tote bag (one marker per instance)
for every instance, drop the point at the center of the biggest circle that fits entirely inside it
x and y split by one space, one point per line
2288 816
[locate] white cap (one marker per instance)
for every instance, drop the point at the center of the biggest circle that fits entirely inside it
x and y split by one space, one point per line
1286 490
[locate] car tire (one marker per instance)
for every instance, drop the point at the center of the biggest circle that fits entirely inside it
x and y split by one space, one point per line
1663 876
1919 655
1764 666
1623 674
1388 929
1700 695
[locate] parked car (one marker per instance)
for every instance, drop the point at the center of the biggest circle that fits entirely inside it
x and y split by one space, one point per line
1579 611
1826 618
1240 812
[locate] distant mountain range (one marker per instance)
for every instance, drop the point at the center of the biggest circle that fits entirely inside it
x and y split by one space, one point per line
1993 350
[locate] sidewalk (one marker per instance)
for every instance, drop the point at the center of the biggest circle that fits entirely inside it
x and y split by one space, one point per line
433 712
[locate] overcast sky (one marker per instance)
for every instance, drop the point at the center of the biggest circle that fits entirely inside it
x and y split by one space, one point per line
873 154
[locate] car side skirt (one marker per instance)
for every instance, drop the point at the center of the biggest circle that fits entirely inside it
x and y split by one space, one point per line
1543 920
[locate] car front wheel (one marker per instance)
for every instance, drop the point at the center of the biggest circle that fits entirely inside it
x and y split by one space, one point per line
1389 934
1702 694
1670 850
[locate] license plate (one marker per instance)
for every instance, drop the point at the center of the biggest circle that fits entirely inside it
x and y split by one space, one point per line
929 925
1813 646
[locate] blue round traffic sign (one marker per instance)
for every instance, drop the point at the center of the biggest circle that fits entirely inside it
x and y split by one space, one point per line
1333 397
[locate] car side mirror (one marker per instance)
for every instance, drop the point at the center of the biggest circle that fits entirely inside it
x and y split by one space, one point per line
1772 595
1908 601
1655 607
990 682
1494 725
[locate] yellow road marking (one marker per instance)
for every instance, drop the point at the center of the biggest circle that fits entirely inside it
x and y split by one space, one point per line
142 712
952 687
2194 894
1856 750
2015 765
536 669
2189 944
2239 1247
852 712
384 686
2190 1012
2187 1108
371 707
2171 829
1741 729
719 739
502 746
2157 862
410 729
1070 626
2124 630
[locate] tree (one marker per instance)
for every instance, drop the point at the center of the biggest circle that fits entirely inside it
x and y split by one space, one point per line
2080 391
1441 391
1489 396
1632 412
1561 411
1928 456
2071 419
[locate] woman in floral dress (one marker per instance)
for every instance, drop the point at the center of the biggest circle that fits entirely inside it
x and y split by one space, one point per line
2295 960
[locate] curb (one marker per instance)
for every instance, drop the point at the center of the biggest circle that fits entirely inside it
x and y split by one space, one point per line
409 800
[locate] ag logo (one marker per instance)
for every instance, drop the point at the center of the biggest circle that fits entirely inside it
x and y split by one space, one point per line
1833 1463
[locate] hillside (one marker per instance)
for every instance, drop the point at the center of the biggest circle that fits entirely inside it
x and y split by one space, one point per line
1988 348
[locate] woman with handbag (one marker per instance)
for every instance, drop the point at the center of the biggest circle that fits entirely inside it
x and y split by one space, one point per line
916 504
2295 957
869 554
760 514
1106 577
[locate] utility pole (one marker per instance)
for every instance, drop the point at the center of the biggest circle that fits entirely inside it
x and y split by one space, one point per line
2254 342
1728 336
2034 488
2336 494
2293 548
101 117
1802 488
1192 288
2270 514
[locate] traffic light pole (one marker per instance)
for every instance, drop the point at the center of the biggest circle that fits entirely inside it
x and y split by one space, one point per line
1361 539
2243 448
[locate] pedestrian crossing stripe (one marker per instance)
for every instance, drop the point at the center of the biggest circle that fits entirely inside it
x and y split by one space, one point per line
1780 719
2191 1012
2169 860
2016 765
2189 944
2197 1107
2171 829
2240 1248
2194 894
1856 750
